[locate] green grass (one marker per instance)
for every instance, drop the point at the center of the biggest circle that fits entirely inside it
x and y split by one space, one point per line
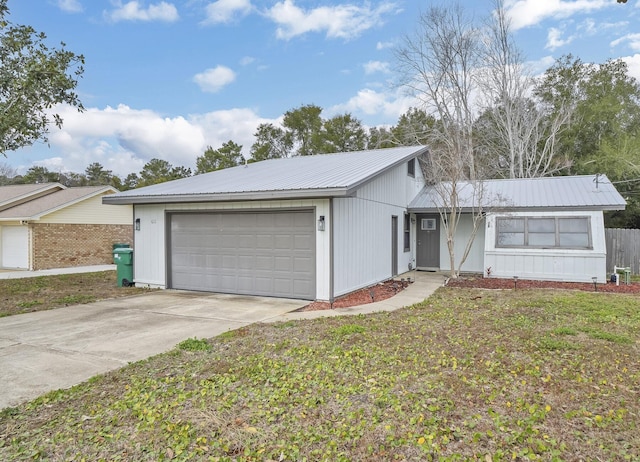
41 293
466 375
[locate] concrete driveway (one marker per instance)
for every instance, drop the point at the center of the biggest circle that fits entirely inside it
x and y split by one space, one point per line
48 350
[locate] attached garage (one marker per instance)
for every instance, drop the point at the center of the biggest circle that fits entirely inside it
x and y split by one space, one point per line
251 253
14 247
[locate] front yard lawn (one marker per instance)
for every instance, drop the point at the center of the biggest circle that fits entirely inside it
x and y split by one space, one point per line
46 292
469 374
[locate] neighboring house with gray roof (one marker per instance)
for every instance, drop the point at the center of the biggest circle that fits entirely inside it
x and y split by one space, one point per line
548 228
322 226
48 225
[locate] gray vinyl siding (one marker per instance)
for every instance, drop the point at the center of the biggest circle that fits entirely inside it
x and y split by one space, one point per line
362 230
555 264
475 260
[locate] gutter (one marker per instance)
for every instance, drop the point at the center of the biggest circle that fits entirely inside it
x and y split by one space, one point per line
116 199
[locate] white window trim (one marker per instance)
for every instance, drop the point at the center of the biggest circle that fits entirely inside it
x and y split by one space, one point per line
557 245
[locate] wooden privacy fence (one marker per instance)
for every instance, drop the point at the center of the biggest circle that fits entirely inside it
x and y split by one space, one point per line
623 248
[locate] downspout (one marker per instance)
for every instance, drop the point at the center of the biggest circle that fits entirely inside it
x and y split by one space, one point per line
331 272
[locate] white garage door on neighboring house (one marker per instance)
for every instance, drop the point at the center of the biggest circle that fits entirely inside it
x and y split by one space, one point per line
253 253
14 247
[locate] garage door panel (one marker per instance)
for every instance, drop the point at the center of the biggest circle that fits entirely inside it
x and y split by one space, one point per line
301 264
301 242
271 253
282 264
229 262
282 242
264 242
14 246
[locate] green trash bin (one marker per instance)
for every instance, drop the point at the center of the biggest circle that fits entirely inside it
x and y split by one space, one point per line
123 258
119 245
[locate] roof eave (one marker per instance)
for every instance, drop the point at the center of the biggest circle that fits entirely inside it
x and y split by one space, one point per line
612 207
228 197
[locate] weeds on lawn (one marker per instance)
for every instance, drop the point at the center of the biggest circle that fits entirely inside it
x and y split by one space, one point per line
47 292
467 375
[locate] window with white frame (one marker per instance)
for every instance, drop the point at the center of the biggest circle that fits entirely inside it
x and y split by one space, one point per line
407 232
544 232
428 224
411 168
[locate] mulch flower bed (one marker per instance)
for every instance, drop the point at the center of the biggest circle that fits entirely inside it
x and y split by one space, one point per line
376 293
500 283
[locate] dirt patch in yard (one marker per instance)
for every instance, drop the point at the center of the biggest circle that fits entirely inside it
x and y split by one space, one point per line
501 283
375 293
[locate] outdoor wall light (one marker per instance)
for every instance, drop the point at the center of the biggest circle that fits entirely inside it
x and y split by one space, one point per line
321 223
137 224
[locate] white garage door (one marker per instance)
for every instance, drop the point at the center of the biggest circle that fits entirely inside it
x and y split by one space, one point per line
15 247
270 253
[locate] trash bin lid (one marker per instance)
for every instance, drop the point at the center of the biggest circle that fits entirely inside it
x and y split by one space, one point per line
121 250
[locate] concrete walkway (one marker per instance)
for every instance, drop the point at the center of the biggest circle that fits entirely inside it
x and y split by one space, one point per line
424 284
54 349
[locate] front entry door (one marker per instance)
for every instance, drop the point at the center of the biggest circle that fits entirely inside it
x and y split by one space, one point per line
428 249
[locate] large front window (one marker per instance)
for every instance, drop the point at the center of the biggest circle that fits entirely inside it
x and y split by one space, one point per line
544 232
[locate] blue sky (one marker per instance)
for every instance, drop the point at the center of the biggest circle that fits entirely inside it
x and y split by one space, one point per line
167 78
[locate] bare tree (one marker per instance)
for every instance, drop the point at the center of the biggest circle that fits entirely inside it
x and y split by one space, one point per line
7 172
522 132
439 66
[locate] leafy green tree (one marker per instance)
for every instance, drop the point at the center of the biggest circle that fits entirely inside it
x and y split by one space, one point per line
304 126
229 155
39 174
343 133
413 128
73 179
380 138
159 171
271 143
130 182
33 79
606 99
97 175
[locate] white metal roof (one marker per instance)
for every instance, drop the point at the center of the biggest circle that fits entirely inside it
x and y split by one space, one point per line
324 175
582 192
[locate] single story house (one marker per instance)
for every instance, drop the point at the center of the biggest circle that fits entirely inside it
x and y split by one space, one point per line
48 225
313 227
549 228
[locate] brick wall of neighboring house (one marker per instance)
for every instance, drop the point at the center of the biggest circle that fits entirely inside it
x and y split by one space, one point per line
66 245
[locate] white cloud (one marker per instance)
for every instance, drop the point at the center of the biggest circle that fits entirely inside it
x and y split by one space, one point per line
634 65
539 66
633 41
222 11
70 6
247 60
525 13
384 45
212 80
372 103
555 40
123 139
373 67
340 21
134 11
